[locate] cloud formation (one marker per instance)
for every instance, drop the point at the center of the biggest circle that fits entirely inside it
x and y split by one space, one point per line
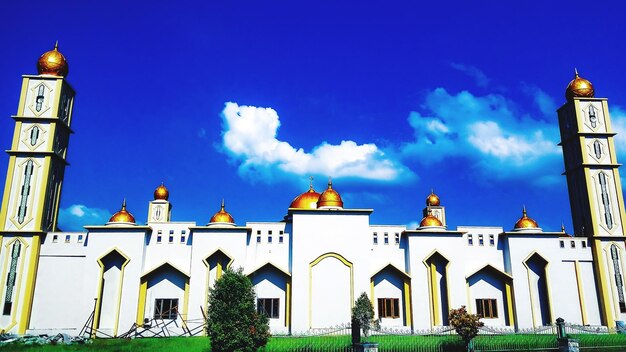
489 130
250 139
76 216
479 76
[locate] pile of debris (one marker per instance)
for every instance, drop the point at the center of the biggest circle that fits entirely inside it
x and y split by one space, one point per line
57 339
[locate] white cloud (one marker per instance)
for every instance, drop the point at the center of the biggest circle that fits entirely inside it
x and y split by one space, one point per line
487 130
76 216
479 76
412 225
250 138
618 123
544 102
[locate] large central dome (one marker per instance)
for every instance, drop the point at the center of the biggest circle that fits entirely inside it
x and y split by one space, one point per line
307 200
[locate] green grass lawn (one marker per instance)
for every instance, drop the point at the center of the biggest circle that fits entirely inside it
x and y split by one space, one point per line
387 343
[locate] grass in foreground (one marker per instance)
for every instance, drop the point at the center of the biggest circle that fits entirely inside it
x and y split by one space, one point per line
387 343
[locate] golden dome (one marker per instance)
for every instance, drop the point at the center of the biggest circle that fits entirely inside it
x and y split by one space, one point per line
525 222
432 199
430 220
222 216
330 197
307 200
161 193
123 216
53 63
579 87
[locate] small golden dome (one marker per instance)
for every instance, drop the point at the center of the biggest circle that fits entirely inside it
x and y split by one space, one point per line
161 193
222 216
430 220
579 87
307 200
330 198
525 222
123 216
432 199
53 63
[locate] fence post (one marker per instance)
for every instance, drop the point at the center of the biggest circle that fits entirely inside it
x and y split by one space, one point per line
565 343
356 331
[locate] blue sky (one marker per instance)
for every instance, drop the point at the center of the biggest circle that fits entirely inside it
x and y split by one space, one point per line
244 100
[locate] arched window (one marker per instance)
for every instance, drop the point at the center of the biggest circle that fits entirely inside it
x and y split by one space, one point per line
619 282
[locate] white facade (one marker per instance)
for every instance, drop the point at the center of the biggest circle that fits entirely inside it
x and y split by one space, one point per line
309 268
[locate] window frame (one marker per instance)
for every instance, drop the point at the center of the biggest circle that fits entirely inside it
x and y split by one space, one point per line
272 303
172 308
388 308
488 305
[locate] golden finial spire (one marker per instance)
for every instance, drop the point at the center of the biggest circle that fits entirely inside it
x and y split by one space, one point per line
330 182
223 204
56 45
524 211
124 204
575 72
311 182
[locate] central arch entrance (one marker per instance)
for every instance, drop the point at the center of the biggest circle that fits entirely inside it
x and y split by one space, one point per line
331 291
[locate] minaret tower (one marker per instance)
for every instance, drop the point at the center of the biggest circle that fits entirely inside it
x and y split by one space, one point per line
30 205
160 209
595 190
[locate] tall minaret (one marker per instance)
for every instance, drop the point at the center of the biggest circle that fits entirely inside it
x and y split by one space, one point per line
160 209
595 190
30 205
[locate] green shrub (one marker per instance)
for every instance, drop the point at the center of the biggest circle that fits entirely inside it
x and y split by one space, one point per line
233 322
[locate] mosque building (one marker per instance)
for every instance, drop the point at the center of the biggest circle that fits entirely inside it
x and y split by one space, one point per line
308 268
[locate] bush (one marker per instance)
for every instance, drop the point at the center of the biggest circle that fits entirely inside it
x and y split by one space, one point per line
363 314
233 322
465 324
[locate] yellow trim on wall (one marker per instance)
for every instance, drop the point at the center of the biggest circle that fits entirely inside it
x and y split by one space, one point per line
31 278
433 288
218 272
581 294
408 316
186 304
317 261
434 294
602 282
508 287
22 103
4 211
96 317
17 133
141 304
288 304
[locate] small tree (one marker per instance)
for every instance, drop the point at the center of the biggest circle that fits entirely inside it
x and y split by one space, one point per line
233 322
465 324
363 314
